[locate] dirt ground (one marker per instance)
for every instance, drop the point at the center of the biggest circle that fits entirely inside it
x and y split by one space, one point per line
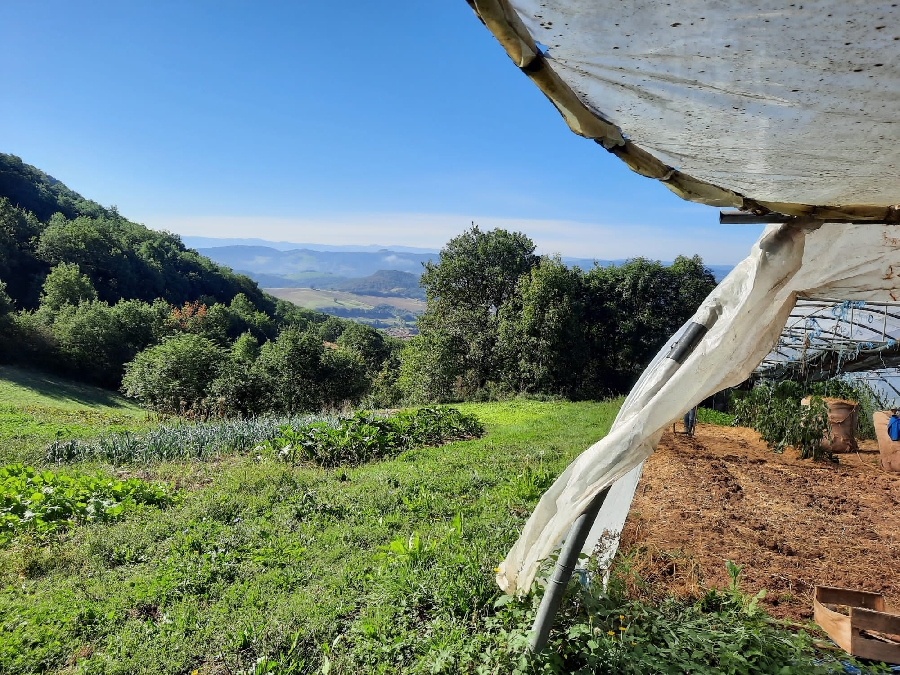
723 495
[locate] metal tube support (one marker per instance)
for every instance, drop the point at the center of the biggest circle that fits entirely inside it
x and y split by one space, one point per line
568 556
562 573
745 218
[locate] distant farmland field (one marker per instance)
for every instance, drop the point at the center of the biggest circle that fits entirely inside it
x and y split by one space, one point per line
386 312
312 298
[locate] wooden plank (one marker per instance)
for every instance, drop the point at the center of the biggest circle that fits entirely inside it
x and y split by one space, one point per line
866 613
866 619
850 598
836 625
867 648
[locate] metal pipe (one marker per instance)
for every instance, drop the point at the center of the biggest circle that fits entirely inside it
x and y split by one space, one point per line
742 218
746 218
562 573
568 556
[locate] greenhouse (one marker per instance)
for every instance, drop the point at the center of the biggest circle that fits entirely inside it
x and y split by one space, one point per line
825 337
786 113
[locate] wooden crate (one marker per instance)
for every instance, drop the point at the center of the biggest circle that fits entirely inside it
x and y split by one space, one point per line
867 632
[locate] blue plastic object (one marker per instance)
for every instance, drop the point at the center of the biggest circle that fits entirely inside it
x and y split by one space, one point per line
894 428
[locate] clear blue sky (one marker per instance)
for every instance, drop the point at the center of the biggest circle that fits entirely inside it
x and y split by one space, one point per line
357 122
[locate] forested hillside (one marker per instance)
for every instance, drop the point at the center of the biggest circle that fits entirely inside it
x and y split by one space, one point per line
44 223
87 293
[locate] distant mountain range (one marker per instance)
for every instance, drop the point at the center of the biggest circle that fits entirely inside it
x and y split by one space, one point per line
210 242
346 264
287 265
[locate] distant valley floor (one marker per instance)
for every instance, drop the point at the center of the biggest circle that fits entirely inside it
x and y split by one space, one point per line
387 312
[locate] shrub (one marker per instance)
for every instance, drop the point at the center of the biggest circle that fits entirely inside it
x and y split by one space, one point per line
708 416
173 376
366 436
776 413
291 367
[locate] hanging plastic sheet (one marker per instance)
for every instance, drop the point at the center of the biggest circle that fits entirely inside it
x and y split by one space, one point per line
763 107
770 106
744 317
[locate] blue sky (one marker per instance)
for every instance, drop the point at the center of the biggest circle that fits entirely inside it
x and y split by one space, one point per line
336 123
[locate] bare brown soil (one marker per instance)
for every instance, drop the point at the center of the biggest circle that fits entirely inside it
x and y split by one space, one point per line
793 524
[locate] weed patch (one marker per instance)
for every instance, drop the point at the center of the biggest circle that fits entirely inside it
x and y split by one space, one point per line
43 501
707 416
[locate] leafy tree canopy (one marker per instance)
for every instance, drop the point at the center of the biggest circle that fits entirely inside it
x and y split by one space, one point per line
66 285
173 376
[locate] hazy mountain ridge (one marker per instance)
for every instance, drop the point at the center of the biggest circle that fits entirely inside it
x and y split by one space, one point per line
326 266
351 264
217 242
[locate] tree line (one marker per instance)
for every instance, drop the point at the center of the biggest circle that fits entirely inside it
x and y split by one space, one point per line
90 294
194 359
502 320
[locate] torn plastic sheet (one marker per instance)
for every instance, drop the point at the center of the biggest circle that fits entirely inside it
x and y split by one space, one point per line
744 316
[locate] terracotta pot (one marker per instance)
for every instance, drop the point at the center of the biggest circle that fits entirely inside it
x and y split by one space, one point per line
890 450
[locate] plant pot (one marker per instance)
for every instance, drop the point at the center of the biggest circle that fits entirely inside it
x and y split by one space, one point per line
843 418
890 450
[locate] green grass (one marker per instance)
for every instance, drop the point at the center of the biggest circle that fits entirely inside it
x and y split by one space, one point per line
261 557
707 416
386 567
27 388
36 409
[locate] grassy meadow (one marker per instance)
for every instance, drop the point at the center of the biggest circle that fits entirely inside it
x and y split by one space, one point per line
240 563
36 408
263 560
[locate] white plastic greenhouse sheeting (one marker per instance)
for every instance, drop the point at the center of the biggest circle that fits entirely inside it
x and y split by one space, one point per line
823 337
745 316
760 107
777 102
790 108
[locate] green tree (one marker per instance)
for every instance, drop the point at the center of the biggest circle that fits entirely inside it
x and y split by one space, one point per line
6 303
240 389
367 342
541 331
246 317
175 375
66 285
633 309
291 368
430 368
19 266
466 291
344 378
330 329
